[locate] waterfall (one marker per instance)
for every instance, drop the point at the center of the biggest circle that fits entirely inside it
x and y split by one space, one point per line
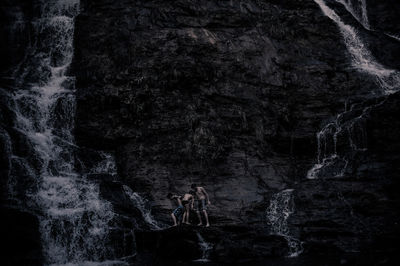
205 248
396 37
359 12
388 79
74 220
280 208
350 124
141 204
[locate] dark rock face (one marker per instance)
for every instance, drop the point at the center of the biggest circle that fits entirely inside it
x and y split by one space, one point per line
358 212
383 16
19 237
208 93
15 31
231 244
230 95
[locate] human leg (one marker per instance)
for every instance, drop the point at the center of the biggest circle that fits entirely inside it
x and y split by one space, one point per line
204 209
174 219
206 216
177 215
187 211
199 216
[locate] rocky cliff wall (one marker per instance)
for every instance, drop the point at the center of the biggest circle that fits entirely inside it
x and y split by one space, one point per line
230 95
20 240
226 94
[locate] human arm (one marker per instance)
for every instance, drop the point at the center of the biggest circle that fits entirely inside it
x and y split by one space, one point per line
192 202
207 197
177 198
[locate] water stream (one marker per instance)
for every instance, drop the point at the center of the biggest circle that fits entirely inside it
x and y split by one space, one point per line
359 11
142 206
362 59
74 220
280 208
349 125
205 248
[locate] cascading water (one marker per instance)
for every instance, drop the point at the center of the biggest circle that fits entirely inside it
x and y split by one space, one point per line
359 11
396 37
349 125
140 203
280 208
362 59
74 221
205 248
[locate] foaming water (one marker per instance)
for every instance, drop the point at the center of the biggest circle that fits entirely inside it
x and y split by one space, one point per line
74 220
349 126
362 59
280 208
205 248
105 165
141 204
359 11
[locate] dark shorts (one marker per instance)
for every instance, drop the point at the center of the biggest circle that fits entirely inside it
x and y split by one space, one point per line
201 205
178 212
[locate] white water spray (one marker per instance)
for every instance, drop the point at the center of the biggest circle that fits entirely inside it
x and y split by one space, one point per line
329 160
205 248
280 208
74 220
140 203
359 12
396 37
388 79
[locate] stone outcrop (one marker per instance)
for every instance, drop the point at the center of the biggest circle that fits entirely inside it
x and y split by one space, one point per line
20 239
227 244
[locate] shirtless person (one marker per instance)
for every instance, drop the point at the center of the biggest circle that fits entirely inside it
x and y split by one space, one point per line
202 201
187 201
177 213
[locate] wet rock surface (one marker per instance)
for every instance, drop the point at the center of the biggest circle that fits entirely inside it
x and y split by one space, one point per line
15 31
20 238
227 244
19 225
229 95
225 94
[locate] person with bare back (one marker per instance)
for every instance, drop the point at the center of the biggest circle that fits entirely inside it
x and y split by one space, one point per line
202 201
187 201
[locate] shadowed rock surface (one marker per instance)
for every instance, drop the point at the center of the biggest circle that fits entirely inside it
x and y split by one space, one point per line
228 95
230 244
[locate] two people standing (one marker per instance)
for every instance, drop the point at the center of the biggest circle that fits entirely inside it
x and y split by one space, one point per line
186 202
